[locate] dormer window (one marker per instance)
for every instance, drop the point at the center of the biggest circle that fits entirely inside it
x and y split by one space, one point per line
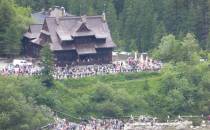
83 28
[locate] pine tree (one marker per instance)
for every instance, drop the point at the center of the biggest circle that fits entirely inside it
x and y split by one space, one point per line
208 43
112 21
160 31
6 18
119 6
142 21
12 41
47 64
13 20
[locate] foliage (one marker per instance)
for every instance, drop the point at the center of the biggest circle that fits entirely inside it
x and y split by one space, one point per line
135 25
13 21
109 109
172 49
140 24
111 103
196 121
179 89
102 94
168 49
19 112
47 64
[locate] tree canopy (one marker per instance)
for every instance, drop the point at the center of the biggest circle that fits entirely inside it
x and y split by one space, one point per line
140 24
134 24
19 112
173 49
13 22
47 64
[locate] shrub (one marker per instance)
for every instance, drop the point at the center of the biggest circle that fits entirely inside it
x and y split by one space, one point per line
43 100
124 101
109 109
82 105
196 121
17 113
102 93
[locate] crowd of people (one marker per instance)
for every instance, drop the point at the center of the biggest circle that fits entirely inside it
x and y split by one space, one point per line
69 71
131 65
129 123
93 124
17 70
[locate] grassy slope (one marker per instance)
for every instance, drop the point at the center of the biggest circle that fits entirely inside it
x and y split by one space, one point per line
68 93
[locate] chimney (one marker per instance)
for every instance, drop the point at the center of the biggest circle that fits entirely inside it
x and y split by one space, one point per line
63 11
49 11
104 13
104 16
84 19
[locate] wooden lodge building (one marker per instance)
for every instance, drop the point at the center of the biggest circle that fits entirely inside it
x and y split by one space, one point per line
73 39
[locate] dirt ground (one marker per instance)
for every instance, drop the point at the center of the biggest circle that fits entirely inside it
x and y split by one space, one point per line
188 129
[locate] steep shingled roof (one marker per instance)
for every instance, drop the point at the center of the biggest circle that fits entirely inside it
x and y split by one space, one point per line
67 29
33 31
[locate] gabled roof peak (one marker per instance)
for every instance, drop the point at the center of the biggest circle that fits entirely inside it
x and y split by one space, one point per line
68 28
83 28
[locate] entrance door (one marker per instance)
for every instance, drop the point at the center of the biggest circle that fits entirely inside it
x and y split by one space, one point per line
87 59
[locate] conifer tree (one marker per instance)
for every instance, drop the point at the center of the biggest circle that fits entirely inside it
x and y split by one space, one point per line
112 20
47 66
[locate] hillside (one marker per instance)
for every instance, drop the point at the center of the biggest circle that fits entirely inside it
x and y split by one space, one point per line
158 94
72 96
179 89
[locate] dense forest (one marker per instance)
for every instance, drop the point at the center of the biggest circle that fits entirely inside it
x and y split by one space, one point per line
140 24
135 24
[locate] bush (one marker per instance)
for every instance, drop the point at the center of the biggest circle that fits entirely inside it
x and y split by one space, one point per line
124 101
196 121
82 105
43 100
109 109
17 113
102 93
